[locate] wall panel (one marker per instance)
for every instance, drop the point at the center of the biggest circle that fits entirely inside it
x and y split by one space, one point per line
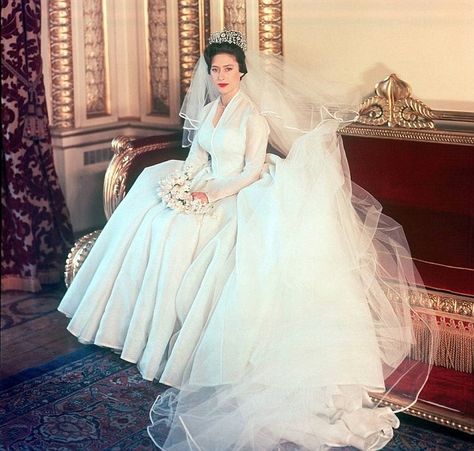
427 43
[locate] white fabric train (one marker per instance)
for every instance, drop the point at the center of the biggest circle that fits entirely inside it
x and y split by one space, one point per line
269 316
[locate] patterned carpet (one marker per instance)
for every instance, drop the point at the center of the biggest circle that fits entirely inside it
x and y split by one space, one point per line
89 400
93 400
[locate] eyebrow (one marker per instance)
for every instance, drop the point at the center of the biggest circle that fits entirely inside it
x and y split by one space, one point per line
225 65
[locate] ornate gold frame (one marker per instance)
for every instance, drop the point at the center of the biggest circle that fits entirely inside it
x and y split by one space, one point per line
61 63
270 28
158 55
392 113
78 254
97 90
235 15
193 31
431 413
438 136
394 108
116 176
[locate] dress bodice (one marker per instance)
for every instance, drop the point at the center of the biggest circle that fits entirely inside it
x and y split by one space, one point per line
224 142
235 147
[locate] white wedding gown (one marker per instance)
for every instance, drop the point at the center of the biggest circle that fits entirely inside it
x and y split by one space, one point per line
269 314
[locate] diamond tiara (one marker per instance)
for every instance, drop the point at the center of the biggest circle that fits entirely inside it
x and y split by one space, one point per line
229 36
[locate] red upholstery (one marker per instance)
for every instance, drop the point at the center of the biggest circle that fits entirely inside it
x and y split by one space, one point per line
162 148
445 388
429 189
426 187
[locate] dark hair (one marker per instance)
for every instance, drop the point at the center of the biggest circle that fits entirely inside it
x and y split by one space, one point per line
225 47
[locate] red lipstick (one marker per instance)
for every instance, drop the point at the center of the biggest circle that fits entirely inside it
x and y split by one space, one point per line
222 85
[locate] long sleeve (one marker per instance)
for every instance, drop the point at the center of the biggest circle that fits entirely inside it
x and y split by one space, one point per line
197 157
255 151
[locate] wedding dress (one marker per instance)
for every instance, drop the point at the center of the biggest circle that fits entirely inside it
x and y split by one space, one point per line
152 266
272 316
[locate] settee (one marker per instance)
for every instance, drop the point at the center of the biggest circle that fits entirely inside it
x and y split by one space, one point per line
424 179
420 167
130 156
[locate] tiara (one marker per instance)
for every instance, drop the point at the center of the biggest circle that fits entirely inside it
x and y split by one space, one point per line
229 36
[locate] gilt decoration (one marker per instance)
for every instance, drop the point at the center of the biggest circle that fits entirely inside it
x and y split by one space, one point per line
193 31
270 29
159 62
235 15
94 55
393 106
60 32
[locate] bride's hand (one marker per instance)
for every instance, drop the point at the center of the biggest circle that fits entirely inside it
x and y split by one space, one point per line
200 196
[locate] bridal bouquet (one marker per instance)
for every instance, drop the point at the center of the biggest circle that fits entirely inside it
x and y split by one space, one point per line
175 191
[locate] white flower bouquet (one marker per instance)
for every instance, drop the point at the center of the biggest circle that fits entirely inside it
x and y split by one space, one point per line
175 191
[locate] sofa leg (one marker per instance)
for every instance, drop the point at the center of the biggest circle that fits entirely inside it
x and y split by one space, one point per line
78 254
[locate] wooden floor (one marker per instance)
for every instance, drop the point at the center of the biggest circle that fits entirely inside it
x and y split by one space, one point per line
33 332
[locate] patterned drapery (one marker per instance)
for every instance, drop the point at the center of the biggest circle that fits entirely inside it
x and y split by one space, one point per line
36 231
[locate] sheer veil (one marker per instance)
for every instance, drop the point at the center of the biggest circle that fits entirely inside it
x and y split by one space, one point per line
292 102
276 395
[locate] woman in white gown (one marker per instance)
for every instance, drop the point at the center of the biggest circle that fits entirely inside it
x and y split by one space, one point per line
269 314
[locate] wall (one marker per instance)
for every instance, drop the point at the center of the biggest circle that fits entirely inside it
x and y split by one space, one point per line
428 43
105 92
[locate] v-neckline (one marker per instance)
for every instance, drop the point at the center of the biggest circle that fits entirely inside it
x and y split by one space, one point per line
214 127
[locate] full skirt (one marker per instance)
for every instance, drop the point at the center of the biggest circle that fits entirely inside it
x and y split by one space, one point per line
272 317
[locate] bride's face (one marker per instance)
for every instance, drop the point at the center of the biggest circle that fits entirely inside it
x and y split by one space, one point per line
225 74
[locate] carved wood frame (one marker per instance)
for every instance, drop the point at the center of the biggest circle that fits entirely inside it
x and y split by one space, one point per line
378 118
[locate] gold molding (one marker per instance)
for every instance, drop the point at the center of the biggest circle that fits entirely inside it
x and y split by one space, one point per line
436 302
394 106
431 413
94 55
205 7
458 116
441 137
270 26
116 176
235 15
78 254
193 28
158 54
59 19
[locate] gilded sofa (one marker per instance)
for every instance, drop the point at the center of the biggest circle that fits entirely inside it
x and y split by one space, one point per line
131 156
420 167
423 178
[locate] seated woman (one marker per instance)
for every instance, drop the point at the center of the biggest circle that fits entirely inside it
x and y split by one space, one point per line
273 298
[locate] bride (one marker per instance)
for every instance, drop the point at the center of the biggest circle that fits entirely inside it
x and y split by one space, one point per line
270 294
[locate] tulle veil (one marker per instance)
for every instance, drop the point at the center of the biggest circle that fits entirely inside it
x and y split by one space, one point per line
268 400
293 103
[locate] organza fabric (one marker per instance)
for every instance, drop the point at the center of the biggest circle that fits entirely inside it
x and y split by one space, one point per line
315 313
274 317
292 102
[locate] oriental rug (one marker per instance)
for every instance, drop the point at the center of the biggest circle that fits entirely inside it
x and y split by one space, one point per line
92 400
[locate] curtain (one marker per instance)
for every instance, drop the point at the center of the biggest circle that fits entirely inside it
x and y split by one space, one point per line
36 230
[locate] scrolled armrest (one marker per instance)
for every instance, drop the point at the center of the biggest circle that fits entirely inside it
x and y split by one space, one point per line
131 156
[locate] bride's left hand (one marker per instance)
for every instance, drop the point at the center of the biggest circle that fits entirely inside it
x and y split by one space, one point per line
200 196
